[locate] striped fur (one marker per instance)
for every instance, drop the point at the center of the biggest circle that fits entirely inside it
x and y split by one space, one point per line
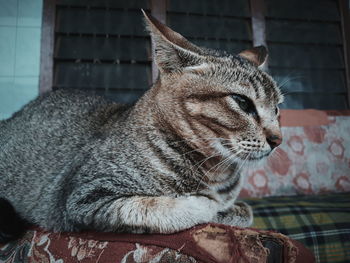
71 161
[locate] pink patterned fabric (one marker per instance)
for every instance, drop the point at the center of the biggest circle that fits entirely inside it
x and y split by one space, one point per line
311 160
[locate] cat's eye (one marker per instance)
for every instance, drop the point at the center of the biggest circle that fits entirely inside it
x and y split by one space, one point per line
245 104
277 110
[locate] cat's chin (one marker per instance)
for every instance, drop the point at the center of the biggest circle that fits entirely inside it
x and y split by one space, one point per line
259 156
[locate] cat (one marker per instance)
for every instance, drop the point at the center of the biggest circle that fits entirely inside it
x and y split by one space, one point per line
71 161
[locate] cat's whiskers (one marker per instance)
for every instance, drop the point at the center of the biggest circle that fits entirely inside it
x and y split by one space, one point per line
204 174
235 151
244 162
227 162
201 162
218 165
284 81
197 166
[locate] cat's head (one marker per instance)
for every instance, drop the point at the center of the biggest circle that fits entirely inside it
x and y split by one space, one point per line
219 103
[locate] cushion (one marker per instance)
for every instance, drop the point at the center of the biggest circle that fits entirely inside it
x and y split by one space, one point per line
207 243
321 223
312 159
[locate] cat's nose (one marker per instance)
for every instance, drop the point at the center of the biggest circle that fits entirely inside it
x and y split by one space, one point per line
274 140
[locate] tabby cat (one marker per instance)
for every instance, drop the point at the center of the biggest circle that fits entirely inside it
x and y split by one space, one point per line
70 161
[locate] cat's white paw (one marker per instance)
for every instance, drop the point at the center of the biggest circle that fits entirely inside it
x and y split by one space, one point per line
240 215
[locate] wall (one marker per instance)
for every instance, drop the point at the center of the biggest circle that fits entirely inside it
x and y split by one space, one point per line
20 31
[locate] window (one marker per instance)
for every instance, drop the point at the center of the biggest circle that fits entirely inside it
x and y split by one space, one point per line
102 46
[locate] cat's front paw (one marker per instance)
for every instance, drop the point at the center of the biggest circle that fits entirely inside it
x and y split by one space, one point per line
240 215
245 211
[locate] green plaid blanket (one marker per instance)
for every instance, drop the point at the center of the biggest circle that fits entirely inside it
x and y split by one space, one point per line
321 223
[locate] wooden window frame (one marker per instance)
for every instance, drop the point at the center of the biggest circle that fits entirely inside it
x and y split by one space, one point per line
158 10
257 11
344 9
47 46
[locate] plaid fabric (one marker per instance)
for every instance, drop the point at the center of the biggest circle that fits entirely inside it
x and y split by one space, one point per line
321 223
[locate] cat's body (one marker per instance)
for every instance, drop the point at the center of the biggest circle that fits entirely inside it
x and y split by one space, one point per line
90 137
71 161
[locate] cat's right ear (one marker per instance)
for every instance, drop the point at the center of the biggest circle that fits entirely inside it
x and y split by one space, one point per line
173 52
256 55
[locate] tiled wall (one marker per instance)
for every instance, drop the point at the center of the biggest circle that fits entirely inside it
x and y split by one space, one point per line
20 31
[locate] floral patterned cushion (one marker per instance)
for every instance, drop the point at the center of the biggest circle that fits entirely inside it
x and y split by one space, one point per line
312 159
210 243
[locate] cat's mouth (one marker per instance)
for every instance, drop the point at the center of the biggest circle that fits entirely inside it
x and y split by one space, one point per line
259 155
253 156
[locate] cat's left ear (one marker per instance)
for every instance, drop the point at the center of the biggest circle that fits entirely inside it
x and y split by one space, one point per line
173 52
256 55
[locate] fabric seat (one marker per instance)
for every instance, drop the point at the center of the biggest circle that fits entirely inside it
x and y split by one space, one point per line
320 222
